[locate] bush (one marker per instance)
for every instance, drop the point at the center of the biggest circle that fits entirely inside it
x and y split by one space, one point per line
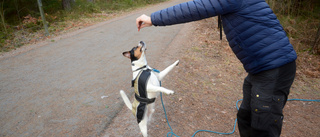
301 21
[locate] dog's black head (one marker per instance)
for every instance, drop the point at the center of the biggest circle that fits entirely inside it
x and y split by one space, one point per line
136 52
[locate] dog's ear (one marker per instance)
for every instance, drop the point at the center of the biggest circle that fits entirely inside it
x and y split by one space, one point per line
126 54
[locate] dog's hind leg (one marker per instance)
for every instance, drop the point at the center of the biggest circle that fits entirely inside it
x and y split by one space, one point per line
167 70
126 99
150 111
143 125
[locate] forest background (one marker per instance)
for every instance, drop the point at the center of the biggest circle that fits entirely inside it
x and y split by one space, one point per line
21 23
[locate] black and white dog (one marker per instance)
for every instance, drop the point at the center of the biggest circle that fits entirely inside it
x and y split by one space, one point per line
146 83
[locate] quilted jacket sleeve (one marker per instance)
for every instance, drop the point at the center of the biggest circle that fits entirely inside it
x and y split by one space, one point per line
194 10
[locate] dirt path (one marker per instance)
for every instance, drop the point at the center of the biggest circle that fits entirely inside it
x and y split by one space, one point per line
70 86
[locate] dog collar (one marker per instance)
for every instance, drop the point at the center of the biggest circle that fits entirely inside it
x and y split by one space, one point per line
140 68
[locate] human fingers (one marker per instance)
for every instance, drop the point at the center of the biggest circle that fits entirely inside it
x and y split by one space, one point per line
139 22
143 21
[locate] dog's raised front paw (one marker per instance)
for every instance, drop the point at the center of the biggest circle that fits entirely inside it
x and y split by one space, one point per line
169 92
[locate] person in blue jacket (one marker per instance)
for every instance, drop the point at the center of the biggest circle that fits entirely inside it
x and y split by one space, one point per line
258 40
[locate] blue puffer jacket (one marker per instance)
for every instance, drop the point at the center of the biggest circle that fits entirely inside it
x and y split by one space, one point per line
252 29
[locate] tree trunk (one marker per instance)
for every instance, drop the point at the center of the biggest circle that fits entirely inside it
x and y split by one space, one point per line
2 17
66 4
316 46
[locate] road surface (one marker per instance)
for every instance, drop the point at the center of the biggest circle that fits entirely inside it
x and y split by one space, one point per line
70 87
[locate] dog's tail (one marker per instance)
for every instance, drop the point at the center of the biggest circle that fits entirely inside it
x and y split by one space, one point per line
126 99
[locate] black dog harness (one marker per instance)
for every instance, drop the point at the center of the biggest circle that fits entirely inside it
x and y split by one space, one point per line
141 96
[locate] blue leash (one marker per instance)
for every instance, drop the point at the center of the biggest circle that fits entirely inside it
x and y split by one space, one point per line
165 113
170 134
309 100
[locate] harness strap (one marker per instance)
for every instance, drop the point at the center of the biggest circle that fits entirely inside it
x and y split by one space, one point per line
140 68
220 26
144 100
132 82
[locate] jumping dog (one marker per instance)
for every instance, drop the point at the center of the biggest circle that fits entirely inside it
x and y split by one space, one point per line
146 83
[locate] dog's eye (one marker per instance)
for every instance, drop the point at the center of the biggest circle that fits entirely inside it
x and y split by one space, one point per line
135 48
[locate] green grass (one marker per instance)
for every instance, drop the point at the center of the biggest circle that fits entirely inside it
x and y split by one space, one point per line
17 31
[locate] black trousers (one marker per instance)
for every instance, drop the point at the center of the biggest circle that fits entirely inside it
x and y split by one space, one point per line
264 96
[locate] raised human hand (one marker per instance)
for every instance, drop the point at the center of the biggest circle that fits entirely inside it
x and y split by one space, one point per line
143 21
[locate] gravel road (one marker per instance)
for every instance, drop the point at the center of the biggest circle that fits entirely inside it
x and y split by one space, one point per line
70 86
